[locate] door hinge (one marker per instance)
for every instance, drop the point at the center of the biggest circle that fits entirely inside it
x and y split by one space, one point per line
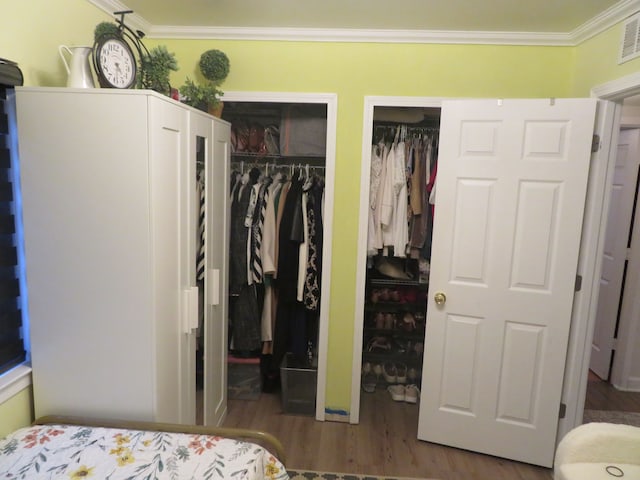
578 283
595 143
563 410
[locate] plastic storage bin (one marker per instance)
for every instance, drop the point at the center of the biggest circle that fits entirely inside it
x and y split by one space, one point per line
243 378
298 387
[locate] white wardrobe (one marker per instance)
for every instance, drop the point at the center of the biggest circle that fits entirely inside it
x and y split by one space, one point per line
112 224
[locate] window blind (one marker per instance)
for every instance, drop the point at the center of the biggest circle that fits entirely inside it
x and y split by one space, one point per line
12 351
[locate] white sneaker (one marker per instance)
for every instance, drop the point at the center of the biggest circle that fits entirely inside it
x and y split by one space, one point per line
411 393
401 370
397 392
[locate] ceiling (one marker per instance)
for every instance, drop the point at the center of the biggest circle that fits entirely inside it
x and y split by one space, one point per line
491 22
545 16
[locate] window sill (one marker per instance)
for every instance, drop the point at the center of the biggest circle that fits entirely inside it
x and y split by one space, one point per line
14 381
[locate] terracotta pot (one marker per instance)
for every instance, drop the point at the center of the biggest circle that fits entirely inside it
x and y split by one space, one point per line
216 110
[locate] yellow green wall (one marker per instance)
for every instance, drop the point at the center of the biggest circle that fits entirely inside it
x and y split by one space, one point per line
597 62
32 30
16 412
352 71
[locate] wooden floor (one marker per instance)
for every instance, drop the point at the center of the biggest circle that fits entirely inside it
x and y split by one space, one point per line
384 443
602 396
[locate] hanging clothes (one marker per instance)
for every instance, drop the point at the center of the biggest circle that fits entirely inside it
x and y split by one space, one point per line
400 216
400 228
313 278
280 225
290 237
239 233
420 200
200 238
374 238
245 321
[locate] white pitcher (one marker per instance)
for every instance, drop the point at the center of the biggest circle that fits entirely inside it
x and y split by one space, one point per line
79 73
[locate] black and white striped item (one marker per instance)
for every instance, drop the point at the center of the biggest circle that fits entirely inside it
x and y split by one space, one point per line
200 263
257 227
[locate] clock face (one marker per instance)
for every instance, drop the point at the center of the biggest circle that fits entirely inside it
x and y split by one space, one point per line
117 63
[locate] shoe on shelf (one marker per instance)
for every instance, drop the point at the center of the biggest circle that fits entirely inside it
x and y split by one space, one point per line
411 393
366 368
389 321
401 373
397 392
369 382
390 372
413 374
377 370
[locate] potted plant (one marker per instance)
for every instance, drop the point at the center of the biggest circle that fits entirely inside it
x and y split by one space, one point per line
155 69
200 96
214 67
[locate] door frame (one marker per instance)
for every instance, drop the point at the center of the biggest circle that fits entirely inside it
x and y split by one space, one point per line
607 321
591 246
579 355
331 101
370 102
628 330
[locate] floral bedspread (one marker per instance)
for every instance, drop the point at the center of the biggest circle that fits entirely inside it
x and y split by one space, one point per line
63 451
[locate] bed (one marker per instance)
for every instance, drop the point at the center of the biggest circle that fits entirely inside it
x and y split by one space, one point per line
75 448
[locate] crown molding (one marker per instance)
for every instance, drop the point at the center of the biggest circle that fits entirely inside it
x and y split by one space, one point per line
133 20
596 25
361 35
605 20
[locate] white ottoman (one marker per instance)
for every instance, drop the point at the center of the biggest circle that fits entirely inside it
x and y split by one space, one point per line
595 451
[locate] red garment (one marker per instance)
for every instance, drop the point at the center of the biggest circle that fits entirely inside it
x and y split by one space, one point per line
432 181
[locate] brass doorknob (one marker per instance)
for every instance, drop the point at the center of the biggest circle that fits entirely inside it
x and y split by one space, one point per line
440 298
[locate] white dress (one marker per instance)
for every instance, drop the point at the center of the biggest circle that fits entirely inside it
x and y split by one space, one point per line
374 238
400 224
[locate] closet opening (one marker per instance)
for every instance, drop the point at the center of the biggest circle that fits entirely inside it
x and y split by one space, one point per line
402 174
278 226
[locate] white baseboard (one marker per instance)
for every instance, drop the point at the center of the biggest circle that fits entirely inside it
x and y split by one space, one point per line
631 385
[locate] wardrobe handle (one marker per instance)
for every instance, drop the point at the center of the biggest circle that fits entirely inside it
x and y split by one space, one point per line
213 286
190 309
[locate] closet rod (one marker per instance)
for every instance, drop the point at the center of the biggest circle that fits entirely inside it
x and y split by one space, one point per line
408 128
391 132
243 166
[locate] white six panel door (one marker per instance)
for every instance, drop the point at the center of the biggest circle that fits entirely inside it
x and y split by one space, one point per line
511 187
615 250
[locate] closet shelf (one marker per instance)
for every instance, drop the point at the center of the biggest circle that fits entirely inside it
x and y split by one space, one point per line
395 306
417 334
392 282
272 156
410 359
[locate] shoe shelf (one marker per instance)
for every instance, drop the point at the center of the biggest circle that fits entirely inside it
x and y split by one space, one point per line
392 282
395 306
394 330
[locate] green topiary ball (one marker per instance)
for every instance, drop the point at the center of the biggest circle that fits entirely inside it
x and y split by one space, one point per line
104 28
214 65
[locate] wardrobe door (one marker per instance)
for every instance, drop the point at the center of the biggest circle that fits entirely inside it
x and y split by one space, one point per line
84 178
216 291
168 147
